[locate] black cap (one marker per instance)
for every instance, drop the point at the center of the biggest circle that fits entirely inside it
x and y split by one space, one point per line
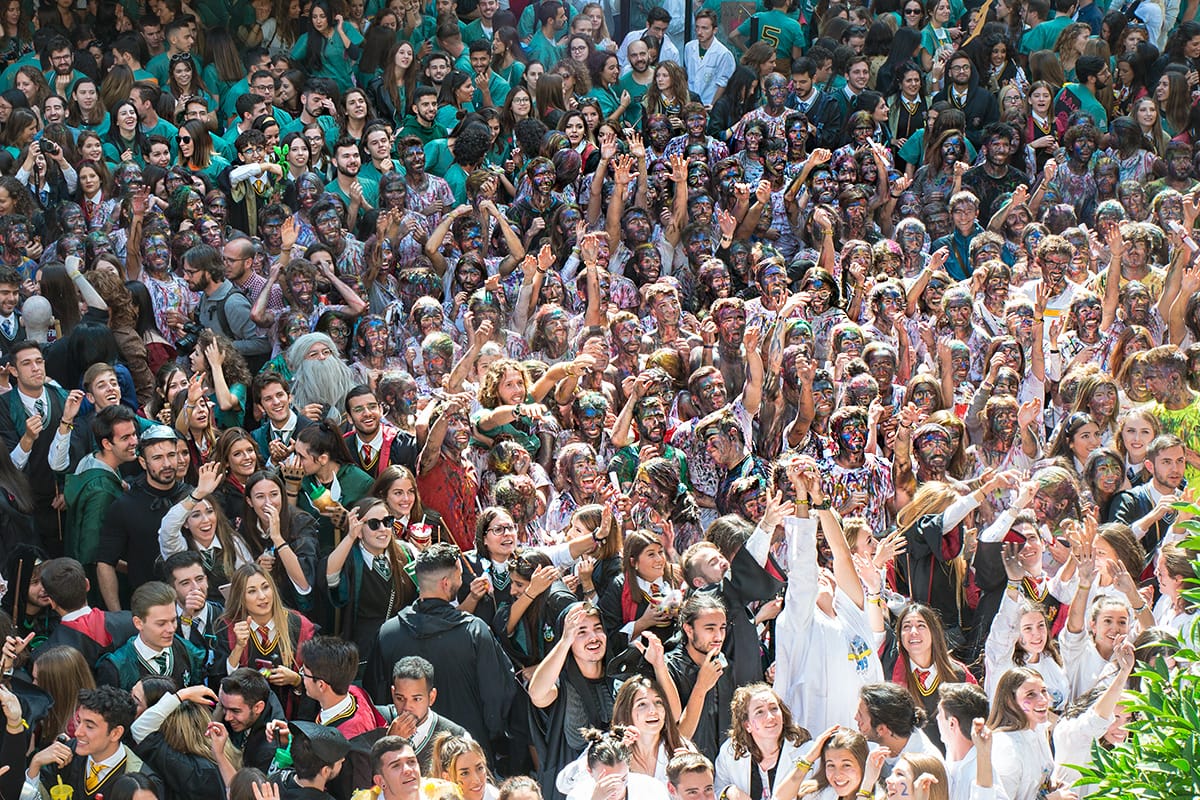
328 744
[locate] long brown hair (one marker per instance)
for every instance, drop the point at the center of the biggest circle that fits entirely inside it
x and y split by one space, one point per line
61 673
635 544
934 497
739 712
613 542
235 609
852 742
622 713
1019 655
947 669
1006 714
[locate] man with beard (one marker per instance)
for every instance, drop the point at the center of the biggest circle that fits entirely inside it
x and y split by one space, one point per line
853 480
695 124
932 446
1075 180
347 251
700 673
223 309
649 416
437 357
130 531
475 677
359 193
321 377
101 389
374 443
427 194
1147 509
818 107
995 176
422 123
531 212
446 479
1093 74
238 254
723 440
963 92
1179 171
1174 403
637 80
723 335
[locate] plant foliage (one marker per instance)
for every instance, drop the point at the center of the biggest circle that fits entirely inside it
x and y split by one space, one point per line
1160 760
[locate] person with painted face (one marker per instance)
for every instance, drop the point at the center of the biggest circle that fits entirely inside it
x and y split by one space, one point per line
427 194
772 112
1052 292
695 123
854 480
649 416
996 176
1088 335
723 441
1075 179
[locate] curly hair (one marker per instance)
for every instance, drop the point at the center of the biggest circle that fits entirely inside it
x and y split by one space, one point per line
739 715
234 368
489 390
472 144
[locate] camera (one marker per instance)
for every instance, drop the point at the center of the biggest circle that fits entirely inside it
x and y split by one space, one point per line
50 148
191 336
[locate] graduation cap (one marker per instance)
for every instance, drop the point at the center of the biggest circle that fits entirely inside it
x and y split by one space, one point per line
328 744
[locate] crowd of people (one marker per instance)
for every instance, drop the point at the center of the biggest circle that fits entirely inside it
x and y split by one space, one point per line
505 400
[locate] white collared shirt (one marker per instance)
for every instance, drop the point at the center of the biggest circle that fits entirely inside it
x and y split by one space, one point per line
336 710
148 653
76 614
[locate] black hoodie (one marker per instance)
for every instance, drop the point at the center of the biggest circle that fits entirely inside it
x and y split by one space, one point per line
980 108
474 678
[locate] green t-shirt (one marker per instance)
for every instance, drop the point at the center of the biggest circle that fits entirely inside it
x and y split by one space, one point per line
1043 36
336 63
777 28
543 50
633 114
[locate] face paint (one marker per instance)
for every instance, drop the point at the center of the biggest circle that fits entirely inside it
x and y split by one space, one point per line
852 436
933 450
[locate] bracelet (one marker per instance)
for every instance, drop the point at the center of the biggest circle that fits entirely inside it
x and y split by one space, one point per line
822 506
804 502
279 547
1140 608
1014 585
68 425
1039 319
708 347
877 601
192 496
805 763
1083 585
527 595
865 793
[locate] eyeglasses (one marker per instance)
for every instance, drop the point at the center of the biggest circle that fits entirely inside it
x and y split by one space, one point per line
502 529
382 522
308 675
185 140
961 68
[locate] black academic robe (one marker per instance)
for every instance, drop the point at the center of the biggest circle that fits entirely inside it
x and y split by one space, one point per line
715 716
618 608
75 772
185 776
118 626
476 684
290 790
257 750
549 725
747 582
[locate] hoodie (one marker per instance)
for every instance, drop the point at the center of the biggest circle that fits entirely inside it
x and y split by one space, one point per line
475 680
89 493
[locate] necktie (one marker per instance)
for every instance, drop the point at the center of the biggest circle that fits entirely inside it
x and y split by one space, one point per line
208 560
382 567
366 454
93 778
922 677
89 209
280 436
10 328
264 636
655 590
161 662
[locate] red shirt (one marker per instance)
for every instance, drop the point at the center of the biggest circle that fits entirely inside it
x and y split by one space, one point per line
451 490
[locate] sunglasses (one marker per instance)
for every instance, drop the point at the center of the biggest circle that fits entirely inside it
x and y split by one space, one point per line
383 522
185 140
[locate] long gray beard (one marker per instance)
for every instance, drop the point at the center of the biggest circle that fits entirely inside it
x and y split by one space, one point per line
323 381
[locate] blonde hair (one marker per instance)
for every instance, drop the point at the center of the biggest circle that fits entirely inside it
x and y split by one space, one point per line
447 749
923 764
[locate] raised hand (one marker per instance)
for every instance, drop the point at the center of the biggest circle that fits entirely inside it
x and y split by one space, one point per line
1013 566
